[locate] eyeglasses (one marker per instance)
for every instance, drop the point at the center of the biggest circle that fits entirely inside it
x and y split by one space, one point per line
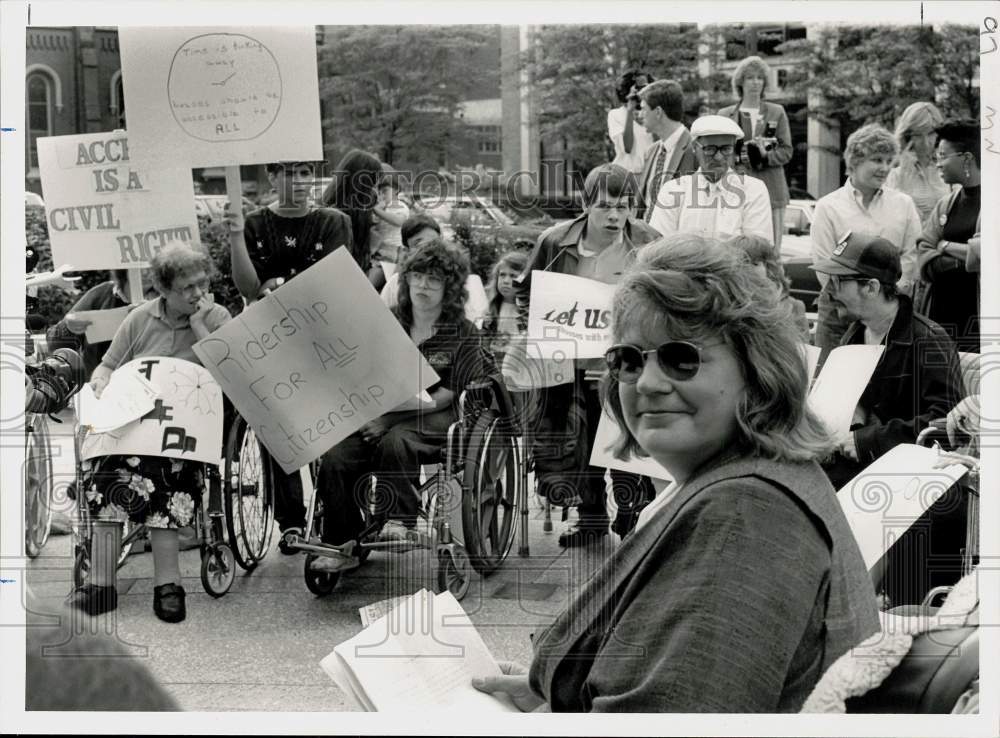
425 280
679 360
938 159
836 280
711 151
188 290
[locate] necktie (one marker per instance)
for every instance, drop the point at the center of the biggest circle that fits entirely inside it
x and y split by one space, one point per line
653 183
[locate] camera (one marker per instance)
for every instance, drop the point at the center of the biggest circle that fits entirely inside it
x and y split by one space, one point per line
634 96
50 385
754 151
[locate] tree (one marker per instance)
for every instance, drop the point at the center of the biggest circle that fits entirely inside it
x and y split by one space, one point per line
871 73
395 90
573 70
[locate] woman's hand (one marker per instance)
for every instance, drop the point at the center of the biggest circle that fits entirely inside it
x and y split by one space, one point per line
848 447
204 307
964 418
374 430
76 325
231 219
99 380
513 683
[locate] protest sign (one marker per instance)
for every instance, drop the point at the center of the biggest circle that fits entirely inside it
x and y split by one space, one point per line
884 500
126 397
103 323
600 455
222 95
523 367
566 307
106 211
840 384
315 360
185 421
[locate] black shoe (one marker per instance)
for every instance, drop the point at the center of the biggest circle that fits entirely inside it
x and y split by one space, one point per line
168 603
94 600
581 535
285 542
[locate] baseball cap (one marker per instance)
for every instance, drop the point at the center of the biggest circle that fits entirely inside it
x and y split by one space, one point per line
715 125
864 254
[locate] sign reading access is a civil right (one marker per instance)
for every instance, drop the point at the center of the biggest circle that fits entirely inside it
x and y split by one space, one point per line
106 211
223 95
315 360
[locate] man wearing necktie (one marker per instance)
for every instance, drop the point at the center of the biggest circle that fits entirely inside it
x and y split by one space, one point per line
662 107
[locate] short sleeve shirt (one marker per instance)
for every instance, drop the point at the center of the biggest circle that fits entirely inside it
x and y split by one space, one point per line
456 354
283 247
147 331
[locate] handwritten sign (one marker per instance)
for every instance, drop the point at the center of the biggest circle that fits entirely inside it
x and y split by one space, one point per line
523 367
891 494
126 397
103 323
315 360
566 307
185 421
222 96
105 211
840 384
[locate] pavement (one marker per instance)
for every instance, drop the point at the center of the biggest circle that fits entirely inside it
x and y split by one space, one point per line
258 647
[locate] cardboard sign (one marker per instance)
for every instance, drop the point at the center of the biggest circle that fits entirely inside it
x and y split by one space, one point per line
184 423
221 96
563 307
315 360
106 211
840 384
126 397
884 500
523 367
600 455
103 323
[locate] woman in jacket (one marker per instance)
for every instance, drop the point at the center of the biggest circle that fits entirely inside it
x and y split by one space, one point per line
767 139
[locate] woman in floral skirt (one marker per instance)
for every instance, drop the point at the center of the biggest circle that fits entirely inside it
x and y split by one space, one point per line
158 492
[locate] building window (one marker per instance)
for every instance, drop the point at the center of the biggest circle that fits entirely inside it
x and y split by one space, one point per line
768 39
488 139
120 89
782 78
38 111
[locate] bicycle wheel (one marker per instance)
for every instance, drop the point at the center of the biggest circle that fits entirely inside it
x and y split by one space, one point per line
249 495
490 494
37 484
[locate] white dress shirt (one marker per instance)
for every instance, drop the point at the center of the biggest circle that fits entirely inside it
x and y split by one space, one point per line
641 140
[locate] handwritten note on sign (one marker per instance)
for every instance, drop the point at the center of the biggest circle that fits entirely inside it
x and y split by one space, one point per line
567 308
315 360
106 211
221 96
184 423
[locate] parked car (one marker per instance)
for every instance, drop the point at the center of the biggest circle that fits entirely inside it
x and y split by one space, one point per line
33 199
796 251
212 206
510 221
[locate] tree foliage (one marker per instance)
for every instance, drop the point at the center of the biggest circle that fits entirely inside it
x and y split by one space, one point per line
395 90
872 73
573 70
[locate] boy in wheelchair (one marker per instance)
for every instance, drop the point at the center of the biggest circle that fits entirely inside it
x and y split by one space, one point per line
430 307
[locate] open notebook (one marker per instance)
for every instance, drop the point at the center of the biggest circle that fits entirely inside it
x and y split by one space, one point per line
420 655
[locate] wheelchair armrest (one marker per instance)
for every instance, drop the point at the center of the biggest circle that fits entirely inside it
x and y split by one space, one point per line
493 384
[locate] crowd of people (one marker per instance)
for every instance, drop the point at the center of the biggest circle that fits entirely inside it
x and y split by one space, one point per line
736 585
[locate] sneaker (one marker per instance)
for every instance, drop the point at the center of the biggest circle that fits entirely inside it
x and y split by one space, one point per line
393 530
334 564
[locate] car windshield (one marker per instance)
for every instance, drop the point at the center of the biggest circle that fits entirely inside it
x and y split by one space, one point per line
525 214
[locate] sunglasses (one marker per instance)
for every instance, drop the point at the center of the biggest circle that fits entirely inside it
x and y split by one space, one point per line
679 360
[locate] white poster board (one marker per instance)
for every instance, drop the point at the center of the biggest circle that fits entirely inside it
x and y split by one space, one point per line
106 211
607 433
315 360
563 307
890 495
222 95
184 423
840 384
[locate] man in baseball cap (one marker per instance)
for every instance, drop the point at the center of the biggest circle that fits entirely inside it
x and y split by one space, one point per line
715 201
862 259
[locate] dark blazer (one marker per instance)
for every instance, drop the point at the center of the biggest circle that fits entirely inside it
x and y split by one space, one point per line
99 297
774 174
736 596
682 161
917 380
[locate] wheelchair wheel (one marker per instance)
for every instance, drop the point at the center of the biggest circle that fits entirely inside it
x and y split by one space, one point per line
490 497
248 498
454 572
81 559
37 485
218 569
320 583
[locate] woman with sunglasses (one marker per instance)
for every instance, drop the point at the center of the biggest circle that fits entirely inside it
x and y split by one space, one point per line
742 581
948 250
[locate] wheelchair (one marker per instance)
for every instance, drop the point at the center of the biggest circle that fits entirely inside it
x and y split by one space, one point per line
248 494
482 473
38 483
218 567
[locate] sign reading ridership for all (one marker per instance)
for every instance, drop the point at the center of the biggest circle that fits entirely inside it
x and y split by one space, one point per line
315 360
222 95
106 211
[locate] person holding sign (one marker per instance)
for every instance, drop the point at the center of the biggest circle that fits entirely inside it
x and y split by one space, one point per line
431 309
70 332
276 243
156 491
742 582
918 380
598 245
354 191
